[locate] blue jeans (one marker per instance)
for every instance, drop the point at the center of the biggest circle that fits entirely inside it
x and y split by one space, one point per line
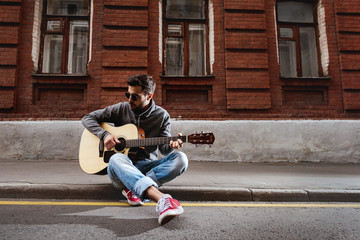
139 176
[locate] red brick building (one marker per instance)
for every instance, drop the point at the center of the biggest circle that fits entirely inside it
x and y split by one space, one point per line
211 59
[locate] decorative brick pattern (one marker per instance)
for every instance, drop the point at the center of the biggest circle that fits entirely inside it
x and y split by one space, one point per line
125 37
9 40
124 58
125 42
126 3
244 5
347 6
351 79
117 77
7 98
244 20
248 100
7 76
9 14
9 34
246 45
352 100
245 40
350 61
348 22
247 79
8 56
125 17
246 60
349 42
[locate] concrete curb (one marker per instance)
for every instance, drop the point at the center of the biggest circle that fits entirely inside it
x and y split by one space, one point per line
208 193
279 195
106 192
60 191
334 195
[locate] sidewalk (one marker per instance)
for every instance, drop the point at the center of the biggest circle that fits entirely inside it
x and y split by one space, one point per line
203 181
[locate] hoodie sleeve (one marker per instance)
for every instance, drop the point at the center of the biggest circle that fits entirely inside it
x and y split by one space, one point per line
93 120
165 131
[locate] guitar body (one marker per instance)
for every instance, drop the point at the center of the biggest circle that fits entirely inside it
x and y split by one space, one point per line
129 137
89 159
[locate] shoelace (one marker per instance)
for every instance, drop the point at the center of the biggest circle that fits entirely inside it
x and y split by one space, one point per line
132 196
163 204
129 194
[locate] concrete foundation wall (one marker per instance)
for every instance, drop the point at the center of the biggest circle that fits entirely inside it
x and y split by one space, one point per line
335 141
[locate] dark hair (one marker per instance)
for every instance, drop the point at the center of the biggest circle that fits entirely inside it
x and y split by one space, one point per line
145 81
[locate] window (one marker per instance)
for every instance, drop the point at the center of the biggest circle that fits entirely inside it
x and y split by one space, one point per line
65 36
185 30
298 43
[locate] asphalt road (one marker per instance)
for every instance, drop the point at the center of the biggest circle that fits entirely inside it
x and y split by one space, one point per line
35 219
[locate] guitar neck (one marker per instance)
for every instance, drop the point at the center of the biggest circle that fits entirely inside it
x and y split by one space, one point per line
152 141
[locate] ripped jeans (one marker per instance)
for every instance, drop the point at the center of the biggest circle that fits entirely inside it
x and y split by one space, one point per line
139 176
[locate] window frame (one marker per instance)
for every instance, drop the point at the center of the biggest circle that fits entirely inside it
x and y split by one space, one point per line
185 22
64 31
295 26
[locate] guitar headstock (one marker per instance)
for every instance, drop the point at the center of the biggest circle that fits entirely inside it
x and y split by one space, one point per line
201 138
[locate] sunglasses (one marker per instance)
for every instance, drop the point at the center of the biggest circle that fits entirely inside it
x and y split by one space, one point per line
133 97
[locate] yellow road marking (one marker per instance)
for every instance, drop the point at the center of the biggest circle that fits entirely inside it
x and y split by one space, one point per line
273 205
55 203
187 204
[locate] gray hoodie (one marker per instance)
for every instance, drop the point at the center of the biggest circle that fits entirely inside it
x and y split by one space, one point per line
155 121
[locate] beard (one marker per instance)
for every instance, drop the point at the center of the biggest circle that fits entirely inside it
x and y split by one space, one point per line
136 109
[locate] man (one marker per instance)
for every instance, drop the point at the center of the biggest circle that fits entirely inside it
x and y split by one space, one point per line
143 174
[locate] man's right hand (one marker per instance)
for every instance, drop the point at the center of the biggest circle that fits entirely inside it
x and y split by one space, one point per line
110 141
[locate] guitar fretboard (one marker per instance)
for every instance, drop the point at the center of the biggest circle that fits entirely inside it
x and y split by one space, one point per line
130 143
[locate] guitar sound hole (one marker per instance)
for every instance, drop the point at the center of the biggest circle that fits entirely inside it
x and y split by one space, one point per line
120 146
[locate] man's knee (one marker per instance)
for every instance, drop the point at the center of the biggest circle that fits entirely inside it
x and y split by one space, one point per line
181 161
118 159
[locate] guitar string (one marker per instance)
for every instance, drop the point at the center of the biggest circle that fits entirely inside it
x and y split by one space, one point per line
151 141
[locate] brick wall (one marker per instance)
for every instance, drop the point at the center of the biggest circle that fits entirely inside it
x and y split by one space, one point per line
9 42
244 83
125 44
348 29
246 56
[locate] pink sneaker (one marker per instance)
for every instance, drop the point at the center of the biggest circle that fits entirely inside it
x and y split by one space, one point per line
168 208
132 199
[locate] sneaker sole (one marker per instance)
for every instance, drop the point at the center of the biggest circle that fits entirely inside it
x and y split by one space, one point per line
132 203
169 215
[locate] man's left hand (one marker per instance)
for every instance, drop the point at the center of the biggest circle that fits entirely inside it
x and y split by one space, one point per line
176 144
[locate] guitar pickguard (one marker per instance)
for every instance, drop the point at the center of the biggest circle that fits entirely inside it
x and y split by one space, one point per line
107 155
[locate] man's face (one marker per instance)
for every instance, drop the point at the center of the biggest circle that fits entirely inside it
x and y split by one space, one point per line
142 101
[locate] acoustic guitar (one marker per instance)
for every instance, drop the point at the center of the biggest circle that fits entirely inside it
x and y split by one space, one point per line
94 160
